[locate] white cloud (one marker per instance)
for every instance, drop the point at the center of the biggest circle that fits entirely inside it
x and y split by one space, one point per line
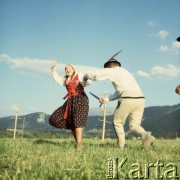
36 66
31 108
151 24
174 47
15 106
176 44
162 34
22 107
168 72
26 65
142 74
163 48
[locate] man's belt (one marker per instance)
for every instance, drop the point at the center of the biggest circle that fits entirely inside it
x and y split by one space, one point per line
129 97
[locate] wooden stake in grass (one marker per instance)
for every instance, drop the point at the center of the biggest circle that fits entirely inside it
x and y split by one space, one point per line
15 123
19 130
104 119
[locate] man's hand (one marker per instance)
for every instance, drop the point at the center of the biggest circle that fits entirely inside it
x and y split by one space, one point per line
53 65
178 90
85 78
102 100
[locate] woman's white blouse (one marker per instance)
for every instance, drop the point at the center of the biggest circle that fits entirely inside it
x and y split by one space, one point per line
60 80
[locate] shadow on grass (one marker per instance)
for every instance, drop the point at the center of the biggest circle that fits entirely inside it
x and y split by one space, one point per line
100 144
43 141
64 143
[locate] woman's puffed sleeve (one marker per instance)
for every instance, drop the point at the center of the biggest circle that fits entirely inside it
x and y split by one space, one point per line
57 78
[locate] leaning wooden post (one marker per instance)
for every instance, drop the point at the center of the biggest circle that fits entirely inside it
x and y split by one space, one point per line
15 123
104 120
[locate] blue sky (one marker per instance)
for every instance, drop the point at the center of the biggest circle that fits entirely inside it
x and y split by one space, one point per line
86 33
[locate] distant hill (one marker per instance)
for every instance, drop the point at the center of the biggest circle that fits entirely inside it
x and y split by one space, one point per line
162 121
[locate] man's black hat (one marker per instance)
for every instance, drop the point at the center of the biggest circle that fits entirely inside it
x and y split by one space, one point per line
113 60
110 61
178 39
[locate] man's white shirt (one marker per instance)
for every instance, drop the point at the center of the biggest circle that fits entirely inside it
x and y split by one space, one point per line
122 80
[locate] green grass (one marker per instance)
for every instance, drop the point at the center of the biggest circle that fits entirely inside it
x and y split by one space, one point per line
58 159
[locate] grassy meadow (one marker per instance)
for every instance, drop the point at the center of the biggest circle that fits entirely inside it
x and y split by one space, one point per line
58 159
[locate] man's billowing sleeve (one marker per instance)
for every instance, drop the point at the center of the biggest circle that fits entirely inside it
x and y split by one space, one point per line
102 74
113 97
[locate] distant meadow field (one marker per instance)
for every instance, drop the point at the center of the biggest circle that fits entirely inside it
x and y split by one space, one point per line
58 159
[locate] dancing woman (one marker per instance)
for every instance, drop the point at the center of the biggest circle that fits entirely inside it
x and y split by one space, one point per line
74 112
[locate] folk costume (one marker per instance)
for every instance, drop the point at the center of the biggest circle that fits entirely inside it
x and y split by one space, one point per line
131 100
74 112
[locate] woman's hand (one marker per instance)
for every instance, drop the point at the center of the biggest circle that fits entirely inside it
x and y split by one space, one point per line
53 65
